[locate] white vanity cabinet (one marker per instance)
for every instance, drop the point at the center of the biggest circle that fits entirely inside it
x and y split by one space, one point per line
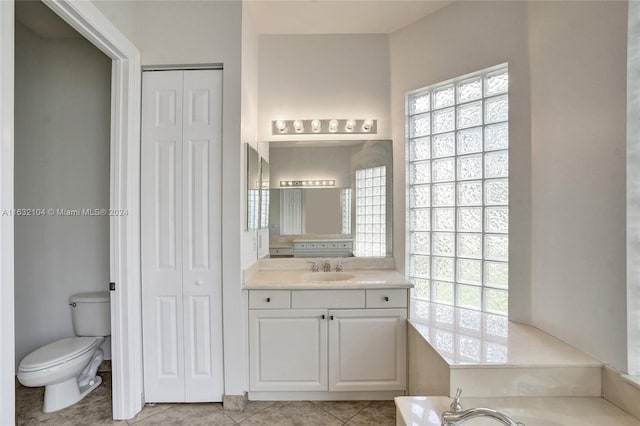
289 349
327 340
367 349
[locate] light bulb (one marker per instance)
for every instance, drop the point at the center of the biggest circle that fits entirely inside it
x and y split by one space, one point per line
298 126
350 125
333 126
281 126
367 125
316 125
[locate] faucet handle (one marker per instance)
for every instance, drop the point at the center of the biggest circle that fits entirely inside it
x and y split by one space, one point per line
327 266
340 266
314 266
456 406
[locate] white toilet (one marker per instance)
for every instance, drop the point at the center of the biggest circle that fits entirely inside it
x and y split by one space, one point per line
67 367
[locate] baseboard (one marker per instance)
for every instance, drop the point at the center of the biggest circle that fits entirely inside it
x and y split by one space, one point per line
324 396
620 391
235 402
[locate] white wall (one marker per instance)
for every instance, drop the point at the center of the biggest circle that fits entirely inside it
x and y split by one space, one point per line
249 121
323 76
61 161
578 102
457 40
203 32
633 190
567 66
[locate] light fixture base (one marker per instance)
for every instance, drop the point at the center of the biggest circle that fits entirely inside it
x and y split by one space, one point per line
310 127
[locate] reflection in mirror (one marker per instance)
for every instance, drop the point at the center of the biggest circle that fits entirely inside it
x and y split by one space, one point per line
264 193
330 199
253 193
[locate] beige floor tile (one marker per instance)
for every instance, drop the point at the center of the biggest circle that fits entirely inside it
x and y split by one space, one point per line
106 380
344 410
292 414
189 414
379 413
95 408
84 413
253 407
149 410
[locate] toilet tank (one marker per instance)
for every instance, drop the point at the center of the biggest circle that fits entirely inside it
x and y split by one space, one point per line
91 314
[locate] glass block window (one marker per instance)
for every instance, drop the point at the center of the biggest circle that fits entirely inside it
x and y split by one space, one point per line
253 200
345 201
371 231
458 191
264 207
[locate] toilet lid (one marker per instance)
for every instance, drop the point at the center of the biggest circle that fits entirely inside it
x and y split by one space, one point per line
58 352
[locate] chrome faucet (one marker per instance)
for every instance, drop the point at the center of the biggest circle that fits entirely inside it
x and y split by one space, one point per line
457 415
327 266
339 267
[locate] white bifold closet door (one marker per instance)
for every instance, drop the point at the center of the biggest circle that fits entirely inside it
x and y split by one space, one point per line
181 232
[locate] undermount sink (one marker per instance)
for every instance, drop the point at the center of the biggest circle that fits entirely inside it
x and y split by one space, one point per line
327 276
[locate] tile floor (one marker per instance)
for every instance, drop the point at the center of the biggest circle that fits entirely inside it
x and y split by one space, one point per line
95 409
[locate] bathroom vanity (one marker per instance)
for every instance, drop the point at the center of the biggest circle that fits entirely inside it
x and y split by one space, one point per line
326 335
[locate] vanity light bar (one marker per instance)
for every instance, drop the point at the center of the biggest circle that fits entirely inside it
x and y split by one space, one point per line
319 127
306 183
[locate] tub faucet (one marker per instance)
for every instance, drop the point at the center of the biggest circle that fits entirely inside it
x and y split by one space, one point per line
327 266
457 415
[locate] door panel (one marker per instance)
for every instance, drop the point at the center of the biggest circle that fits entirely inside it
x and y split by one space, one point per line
181 228
288 350
202 200
367 349
161 229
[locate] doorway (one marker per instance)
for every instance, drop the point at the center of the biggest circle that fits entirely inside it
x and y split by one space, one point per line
61 186
124 265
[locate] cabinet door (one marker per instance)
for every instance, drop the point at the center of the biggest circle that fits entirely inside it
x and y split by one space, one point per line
367 349
288 350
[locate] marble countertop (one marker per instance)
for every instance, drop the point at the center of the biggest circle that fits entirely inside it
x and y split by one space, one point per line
295 280
556 411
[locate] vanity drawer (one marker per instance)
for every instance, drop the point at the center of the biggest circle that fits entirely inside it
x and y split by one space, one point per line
389 298
329 299
269 299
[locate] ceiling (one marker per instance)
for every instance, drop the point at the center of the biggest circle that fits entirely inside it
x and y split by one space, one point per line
278 16
337 17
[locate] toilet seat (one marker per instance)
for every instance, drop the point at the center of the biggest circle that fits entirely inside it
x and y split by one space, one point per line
58 352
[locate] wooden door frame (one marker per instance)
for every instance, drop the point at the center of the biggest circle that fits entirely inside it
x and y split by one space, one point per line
126 324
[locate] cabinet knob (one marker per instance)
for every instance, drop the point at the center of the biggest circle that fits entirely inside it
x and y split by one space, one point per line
322 316
386 298
199 283
331 317
268 299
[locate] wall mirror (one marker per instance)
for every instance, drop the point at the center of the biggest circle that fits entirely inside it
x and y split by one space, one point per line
330 198
253 190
